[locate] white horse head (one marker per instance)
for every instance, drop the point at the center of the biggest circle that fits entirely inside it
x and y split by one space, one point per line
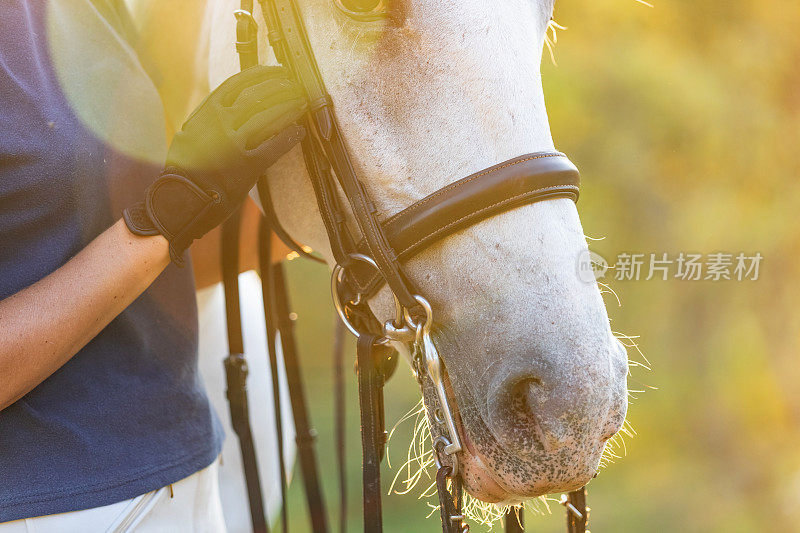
434 92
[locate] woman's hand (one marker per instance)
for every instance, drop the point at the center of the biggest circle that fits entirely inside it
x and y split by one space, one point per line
225 146
235 134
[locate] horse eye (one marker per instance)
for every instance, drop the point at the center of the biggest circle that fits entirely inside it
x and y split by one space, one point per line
362 9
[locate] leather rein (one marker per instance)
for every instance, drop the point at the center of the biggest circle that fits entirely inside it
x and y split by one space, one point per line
365 261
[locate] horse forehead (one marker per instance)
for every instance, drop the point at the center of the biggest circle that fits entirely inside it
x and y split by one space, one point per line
441 59
400 11
421 25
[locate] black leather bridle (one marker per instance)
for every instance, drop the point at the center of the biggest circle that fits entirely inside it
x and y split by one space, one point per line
365 261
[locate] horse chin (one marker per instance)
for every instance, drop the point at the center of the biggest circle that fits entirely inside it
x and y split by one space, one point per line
492 474
488 483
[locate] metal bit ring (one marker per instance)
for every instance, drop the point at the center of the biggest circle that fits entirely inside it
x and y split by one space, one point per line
336 278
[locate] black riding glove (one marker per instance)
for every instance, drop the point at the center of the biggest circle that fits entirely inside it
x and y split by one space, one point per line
227 143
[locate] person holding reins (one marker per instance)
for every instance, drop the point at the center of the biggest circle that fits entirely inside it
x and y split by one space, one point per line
104 423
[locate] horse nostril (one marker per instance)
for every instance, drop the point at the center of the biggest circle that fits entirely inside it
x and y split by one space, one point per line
525 397
512 414
524 416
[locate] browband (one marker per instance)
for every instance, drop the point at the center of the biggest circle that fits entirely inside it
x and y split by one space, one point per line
513 183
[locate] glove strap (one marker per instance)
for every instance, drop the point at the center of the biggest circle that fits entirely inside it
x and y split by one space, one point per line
138 221
174 207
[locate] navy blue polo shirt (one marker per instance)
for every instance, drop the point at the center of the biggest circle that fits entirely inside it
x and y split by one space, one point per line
82 133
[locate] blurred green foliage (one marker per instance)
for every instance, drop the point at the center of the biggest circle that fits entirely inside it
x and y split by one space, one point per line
684 121
683 118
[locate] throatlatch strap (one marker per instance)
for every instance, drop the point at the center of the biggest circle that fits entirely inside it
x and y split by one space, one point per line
274 224
236 371
368 391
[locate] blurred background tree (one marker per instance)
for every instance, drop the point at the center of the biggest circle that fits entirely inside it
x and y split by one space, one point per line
683 118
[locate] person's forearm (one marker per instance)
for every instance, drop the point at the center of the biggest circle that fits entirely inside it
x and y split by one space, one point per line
44 325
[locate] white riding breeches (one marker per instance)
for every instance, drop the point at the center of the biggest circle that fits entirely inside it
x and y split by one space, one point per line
190 505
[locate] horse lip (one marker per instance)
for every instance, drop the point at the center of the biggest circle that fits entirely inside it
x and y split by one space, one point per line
496 489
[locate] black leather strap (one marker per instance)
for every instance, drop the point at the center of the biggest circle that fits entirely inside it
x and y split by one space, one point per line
272 221
514 520
235 364
478 196
449 500
290 43
246 35
276 311
330 207
340 429
576 523
370 396
268 299
236 372
306 435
